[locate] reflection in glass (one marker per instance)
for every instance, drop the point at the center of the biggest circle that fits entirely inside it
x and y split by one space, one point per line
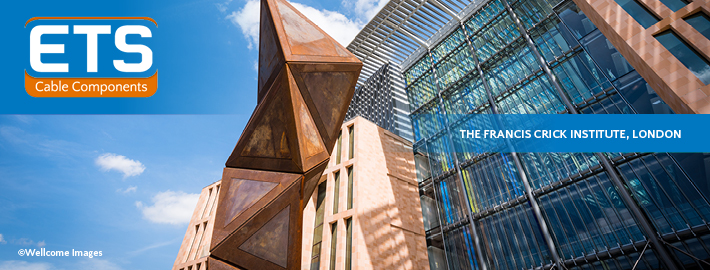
701 22
642 15
675 5
333 244
318 227
336 192
695 62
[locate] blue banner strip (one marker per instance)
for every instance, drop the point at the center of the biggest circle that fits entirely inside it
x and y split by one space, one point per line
577 133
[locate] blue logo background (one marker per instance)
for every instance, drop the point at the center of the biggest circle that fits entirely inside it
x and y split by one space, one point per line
75 49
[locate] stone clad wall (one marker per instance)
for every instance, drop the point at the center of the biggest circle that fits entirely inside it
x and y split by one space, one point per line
388 232
673 82
204 212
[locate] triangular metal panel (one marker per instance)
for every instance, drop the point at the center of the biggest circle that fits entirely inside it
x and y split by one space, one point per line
327 90
242 194
215 264
224 225
230 250
303 40
271 241
311 145
270 139
271 57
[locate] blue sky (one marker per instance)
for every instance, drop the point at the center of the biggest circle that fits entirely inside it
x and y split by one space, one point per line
85 182
75 182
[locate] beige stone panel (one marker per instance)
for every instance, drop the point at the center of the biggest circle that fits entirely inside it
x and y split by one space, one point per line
386 213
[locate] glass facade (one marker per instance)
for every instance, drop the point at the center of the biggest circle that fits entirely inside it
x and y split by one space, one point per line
530 210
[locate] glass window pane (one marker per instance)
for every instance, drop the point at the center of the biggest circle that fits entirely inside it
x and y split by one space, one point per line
701 22
338 147
351 141
333 244
576 21
436 258
675 5
350 187
348 243
421 161
638 12
686 55
336 192
697 166
318 227
640 95
431 219
612 63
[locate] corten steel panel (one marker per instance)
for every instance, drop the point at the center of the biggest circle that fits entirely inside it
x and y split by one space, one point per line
270 242
224 227
327 109
301 40
214 264
234 250
270 140
306 82
310 180
242 194
271 58
317 72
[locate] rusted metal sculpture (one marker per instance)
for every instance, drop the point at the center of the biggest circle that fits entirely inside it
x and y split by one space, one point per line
306 81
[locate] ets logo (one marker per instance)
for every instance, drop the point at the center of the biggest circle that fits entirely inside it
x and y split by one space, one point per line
91 57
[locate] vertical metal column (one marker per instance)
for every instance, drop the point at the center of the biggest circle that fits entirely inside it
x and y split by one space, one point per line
436 200
531 45
661 250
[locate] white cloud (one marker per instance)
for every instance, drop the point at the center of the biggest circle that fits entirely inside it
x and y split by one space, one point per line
170 207
2 240
24 242
704 74
127 190
365 9
248 20
222 7
23 265
120 163
337 25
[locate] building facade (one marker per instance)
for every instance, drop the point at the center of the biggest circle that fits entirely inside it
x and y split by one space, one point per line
666 41
383 101
551 210
364 214
195 247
